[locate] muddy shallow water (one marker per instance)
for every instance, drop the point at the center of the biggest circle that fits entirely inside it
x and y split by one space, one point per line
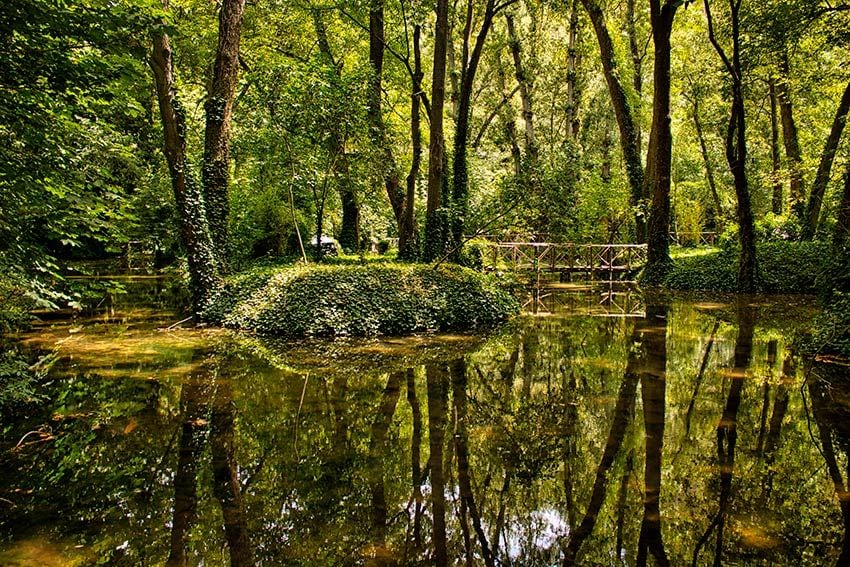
602 427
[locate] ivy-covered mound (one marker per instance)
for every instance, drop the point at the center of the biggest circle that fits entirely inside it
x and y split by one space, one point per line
383 299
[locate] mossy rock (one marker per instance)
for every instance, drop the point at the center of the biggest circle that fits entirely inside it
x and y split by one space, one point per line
378 299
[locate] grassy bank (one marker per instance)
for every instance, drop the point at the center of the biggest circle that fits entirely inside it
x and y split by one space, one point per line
783 267
355 300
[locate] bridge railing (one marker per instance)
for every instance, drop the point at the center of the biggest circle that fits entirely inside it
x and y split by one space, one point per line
566 257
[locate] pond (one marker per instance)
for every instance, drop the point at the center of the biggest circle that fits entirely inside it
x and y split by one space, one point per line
602 427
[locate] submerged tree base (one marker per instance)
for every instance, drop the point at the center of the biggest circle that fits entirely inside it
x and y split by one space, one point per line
385 299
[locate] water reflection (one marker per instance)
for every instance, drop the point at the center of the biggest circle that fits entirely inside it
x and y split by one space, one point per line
690 434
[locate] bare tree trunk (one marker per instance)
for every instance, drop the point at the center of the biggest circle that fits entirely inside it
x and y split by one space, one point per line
825 166
709 169
573 123
435 222
736 149
791 140
626 118
194 229
408 242
659 155
219 111
349 235
378 130
776 201
637 62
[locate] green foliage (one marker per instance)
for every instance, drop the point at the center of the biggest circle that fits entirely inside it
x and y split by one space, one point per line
783 267
381 299
778 228
831 334
18 382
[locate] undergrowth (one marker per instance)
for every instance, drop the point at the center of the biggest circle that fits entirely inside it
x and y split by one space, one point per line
358 300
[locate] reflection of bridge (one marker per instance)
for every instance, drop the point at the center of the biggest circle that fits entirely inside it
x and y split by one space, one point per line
601 302
590 259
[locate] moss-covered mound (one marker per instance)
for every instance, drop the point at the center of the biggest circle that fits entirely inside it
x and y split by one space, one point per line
783 267
385 299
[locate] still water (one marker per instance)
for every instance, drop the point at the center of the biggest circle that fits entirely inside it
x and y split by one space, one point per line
600 428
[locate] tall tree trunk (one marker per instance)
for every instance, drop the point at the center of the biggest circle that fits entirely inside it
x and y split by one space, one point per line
506 114
378 130
408 242
626 116
573 123
530 165
349 234
791 140
460 182
776 201
219 111
194 228
659 155
736 149
435 220
637 63
526 85
825 166
842 223
709 169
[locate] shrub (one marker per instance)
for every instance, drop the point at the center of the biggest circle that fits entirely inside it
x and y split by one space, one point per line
353 300
783 267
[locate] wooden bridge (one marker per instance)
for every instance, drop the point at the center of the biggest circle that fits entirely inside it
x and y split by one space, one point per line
592 259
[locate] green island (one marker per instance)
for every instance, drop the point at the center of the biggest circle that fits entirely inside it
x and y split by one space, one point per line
424 283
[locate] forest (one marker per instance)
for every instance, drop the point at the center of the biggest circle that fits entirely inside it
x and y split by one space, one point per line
412 125
405 282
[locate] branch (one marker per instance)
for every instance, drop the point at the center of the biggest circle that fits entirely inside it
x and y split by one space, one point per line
713 39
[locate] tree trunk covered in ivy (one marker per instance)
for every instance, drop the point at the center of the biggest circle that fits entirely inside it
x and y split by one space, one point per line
658 160
219 111
625 113
435 220
188 197
825 167
469 66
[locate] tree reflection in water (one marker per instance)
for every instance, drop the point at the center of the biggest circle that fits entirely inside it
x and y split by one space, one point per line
529 447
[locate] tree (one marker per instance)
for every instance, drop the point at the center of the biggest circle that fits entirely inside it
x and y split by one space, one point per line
626 116
217 134
436 222
658 157
188 196
827 156
736 145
